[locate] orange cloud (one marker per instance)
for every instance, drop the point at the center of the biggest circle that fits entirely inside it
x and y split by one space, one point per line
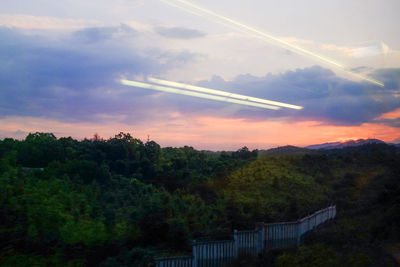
207 132
390 115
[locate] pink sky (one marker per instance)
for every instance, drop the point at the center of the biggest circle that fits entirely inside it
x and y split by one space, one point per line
209 132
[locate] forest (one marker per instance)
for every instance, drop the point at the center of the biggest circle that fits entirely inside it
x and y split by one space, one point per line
124 202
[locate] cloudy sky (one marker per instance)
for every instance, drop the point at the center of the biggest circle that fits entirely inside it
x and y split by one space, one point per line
61 63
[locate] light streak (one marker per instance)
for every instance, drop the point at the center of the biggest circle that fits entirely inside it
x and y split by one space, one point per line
365 78
221 93
195 94
268 37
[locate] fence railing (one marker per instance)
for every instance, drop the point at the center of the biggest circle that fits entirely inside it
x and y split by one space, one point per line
280 235
214 253
253 242
185 261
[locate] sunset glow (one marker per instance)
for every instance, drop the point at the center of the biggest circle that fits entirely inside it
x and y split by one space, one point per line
208 132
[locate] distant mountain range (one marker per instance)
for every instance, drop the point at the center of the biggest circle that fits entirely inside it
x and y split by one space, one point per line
290 150
349 143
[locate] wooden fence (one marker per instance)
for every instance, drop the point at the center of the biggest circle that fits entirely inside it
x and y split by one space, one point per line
253 242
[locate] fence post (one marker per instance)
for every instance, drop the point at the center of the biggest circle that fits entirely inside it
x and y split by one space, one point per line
260 227
263 237
298 232
194 263
329 213
315 221
236 244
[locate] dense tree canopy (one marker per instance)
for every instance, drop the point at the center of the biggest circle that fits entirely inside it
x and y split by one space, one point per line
123 202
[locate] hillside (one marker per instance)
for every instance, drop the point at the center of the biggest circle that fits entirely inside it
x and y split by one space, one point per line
124 202
349 143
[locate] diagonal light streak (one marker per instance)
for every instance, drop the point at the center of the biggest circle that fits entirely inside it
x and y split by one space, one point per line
195 94
221 93
268 37
258 32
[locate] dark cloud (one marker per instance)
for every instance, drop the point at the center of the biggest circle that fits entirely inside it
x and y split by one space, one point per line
390 122
173 58
324 96
98 34
361 69
179 33
74 81
391 77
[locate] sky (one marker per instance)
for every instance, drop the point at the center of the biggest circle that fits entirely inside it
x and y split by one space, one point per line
61 63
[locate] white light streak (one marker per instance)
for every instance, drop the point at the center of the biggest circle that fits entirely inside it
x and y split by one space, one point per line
195 94
268 37
221 93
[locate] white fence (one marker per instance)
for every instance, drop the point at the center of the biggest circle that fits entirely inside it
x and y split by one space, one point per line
186 261
280 235
253 242
214 253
